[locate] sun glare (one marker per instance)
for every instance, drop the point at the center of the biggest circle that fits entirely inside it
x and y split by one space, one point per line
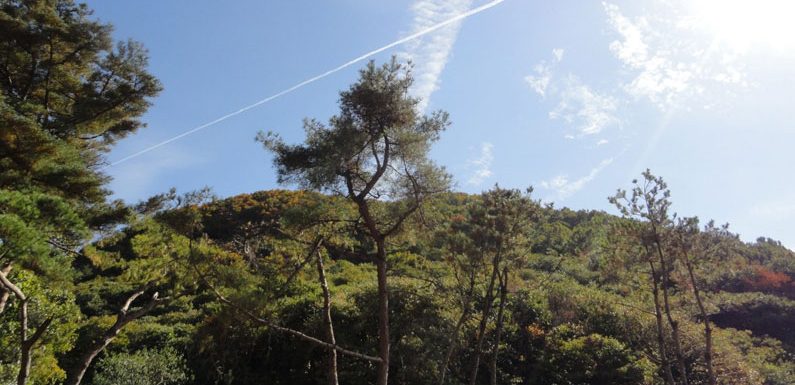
745 24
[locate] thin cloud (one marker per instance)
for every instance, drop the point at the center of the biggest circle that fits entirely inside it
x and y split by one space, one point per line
632 50
453 19
582 108
564 188
558 54
431 52
658 76
482 165
669 64
540 80
587 110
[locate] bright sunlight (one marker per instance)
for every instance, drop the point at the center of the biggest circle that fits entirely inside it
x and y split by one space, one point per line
744 24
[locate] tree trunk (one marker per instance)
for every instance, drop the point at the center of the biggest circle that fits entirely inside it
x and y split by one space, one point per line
453 340
498 330
452 345
295 333
680 359
24 354
484 320
705 320
5 294
383 289
26 358
332 353
75 375
25 344
668 376
383 315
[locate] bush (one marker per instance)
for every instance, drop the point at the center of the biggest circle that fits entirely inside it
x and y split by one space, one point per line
145 367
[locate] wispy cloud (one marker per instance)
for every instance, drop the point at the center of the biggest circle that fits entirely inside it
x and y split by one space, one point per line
558 53
539 81
587 110
481 165
564 188
665 62
584 109
453 20
669 65
431 52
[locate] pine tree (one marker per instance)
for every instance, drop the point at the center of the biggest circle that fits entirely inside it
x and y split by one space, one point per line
67 94
375 149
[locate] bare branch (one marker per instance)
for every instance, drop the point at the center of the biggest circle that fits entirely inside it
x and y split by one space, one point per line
12 288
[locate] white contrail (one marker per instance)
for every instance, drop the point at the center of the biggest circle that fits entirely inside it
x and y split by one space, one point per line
311 80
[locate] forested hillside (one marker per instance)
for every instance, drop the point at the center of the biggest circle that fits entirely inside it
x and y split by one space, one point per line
371 270
572 301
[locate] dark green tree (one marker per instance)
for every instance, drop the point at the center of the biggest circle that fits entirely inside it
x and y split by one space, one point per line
67 94
375 149
649 204
498 228
593 359
145 367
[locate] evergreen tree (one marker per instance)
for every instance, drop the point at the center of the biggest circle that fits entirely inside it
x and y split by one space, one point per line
375 149
67 94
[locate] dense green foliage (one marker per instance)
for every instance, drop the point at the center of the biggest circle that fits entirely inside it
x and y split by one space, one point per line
576 313
375 272
145 367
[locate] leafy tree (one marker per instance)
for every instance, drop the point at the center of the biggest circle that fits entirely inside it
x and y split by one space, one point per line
30 223
145 367
649 204
67 94
52 306
495 241
376 148
594 359
126 274
695 250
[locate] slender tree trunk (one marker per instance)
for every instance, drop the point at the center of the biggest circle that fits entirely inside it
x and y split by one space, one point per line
24 354
26 357
381 268
383 315
705 320
484 320
498 330
5 294
453 340
75 375
665 271
26 343
668 376
452 344
332 354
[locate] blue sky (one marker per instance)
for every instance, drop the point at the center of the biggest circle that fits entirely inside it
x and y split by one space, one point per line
572 97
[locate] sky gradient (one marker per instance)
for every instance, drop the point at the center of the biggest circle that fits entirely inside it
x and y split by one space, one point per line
574 98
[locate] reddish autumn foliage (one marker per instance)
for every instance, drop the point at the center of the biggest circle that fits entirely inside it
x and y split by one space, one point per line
768 281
